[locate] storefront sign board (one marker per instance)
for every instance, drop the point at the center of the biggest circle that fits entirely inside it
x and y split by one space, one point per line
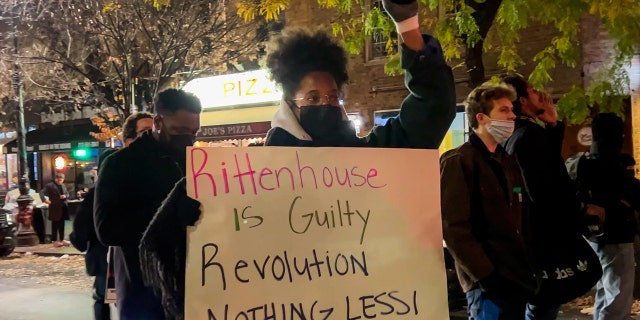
234 131
236 89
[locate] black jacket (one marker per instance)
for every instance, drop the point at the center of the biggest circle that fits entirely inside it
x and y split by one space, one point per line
555 207
58 208
604 181
84 238
132 184
485 224
424 119
425 114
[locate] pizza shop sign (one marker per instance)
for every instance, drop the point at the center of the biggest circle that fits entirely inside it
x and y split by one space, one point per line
244 88
239 130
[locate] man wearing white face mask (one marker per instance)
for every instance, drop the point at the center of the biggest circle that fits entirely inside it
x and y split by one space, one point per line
500 130
484 221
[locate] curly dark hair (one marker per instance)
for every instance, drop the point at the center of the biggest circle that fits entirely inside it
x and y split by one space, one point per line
130 124
298 51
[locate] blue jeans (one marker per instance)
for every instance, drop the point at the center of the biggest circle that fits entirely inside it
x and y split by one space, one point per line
482 307
100 309
614 295
541 313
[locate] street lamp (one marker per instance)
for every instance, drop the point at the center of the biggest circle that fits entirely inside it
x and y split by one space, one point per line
26 234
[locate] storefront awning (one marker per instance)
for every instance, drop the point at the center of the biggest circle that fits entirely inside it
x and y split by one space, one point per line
60 137
234 131
4 141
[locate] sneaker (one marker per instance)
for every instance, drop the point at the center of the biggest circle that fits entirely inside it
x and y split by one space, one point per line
66 243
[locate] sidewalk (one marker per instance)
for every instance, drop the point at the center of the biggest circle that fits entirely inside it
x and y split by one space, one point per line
566 313
48 250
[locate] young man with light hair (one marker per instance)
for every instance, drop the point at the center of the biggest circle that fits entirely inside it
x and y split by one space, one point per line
483 217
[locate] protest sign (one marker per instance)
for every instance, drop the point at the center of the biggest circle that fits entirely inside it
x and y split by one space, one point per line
315 233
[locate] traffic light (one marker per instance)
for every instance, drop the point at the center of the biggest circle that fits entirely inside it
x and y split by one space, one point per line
81 153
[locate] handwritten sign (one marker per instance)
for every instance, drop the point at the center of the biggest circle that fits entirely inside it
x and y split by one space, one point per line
315 233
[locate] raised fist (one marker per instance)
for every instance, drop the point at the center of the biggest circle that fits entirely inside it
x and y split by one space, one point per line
400 10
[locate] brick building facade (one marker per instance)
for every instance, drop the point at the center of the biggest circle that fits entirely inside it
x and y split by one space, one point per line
370 89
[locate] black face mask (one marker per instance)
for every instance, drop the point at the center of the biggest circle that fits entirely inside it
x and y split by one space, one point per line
176 142
321 121
176 146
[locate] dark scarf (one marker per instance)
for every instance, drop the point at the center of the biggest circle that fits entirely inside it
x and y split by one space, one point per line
163 254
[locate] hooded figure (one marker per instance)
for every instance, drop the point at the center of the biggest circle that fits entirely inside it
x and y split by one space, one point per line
604 181
607 132
311 69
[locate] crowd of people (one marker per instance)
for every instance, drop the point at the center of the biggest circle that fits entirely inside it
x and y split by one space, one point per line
54 198
517 224
513 219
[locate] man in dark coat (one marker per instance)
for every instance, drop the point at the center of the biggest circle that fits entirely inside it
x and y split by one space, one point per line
538 149
84 238
57 193
131 186
556 212
484 217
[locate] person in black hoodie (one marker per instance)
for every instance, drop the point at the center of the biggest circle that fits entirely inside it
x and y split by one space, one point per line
83 237
603 180
131 186
311 68
557 215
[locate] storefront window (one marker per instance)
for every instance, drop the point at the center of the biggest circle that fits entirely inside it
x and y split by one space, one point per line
79 170
3 173
11 174
457 134
86 172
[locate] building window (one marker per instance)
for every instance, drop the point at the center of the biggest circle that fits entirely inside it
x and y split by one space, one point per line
379 46
380 117
377 43
457 134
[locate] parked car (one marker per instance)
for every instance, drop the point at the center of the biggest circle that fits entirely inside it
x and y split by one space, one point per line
8 233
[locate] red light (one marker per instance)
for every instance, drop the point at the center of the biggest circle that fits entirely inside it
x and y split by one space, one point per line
60 162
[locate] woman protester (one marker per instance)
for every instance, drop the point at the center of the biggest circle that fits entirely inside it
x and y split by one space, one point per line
311 69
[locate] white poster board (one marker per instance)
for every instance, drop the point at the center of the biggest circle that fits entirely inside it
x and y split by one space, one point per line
315 233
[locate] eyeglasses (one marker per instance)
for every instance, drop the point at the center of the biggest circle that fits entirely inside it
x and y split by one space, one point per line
316 99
